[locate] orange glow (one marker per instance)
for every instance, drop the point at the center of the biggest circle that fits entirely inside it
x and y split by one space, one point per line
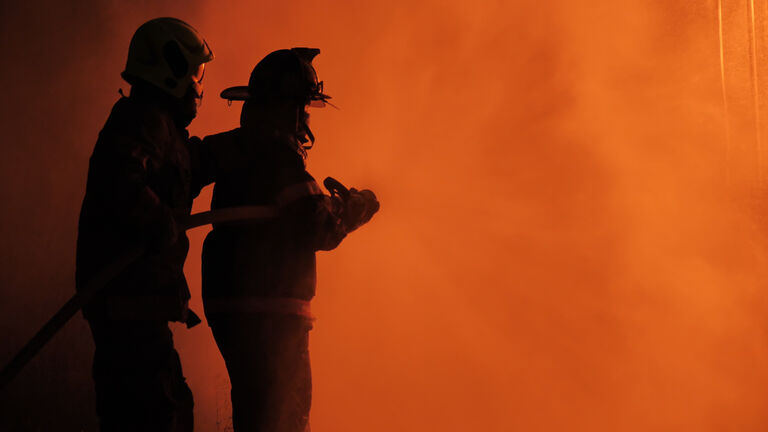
556 248
572 231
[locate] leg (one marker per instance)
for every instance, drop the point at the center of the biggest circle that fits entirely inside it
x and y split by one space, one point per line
267 358
139 382
293 376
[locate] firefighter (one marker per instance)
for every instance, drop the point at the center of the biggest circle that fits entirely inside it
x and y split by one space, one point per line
259 276
139 182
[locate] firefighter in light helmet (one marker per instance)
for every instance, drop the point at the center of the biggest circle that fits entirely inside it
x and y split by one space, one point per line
141 177
259 276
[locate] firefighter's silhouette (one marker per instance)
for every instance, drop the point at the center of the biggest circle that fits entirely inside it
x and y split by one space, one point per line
139 181
259 276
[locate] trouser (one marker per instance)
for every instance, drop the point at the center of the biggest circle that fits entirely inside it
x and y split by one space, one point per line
138 377
267 357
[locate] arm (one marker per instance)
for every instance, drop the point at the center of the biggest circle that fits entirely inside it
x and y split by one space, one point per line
119 171
212 157
310 214
203 163
307 214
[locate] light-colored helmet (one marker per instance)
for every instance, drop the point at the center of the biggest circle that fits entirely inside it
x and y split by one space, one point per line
169 54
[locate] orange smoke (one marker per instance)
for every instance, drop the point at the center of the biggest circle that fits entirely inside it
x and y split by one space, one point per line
559 245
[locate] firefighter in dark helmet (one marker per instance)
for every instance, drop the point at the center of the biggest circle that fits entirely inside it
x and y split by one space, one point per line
259 276
140 181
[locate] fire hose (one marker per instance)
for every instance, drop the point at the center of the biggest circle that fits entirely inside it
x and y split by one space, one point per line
108 273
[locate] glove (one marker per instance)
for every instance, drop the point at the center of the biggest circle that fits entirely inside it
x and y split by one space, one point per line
358 209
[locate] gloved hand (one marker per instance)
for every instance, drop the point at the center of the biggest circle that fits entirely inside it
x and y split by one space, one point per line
358 209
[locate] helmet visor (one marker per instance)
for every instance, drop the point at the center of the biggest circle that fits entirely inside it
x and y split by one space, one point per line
318 99
199 73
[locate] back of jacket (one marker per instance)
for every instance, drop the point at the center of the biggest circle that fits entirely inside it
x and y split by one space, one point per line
139 177
272 257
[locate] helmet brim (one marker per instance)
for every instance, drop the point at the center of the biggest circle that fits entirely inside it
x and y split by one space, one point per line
239 93
320 100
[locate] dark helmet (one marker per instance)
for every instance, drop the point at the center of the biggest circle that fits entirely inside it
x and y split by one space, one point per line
283 75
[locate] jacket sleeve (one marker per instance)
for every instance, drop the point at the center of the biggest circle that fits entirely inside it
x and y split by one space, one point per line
305 210
203 163
119 166
211 157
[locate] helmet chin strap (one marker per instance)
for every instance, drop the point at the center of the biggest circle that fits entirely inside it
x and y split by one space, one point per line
305 135
300 136
303 132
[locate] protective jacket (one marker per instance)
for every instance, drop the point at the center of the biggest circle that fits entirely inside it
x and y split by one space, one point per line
272 257
140 176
